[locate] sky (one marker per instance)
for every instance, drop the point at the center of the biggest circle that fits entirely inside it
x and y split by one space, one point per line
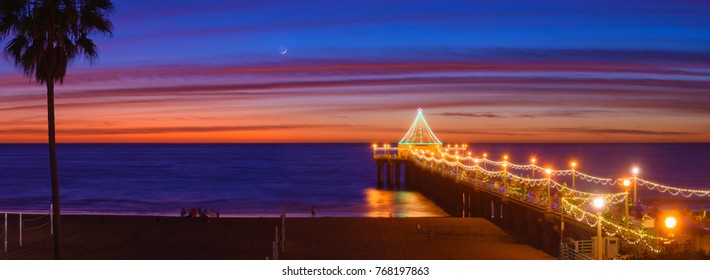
356 71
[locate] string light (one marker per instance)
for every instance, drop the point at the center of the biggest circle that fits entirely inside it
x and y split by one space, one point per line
618 229
672 190
632 236
605 181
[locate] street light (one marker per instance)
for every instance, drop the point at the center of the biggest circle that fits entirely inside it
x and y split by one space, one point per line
599 204
533 160
549 183
627 183
476 161
670 224
457 166
573 164
505 178
635 171
562 219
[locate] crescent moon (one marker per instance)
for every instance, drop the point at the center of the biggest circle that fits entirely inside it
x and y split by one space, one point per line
283 51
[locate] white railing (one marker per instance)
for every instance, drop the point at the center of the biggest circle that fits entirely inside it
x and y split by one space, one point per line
569 253
38 222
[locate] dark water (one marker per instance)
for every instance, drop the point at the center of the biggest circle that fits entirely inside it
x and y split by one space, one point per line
240 180
261 179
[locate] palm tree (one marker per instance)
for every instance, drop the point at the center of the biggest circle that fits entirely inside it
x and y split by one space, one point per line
47 36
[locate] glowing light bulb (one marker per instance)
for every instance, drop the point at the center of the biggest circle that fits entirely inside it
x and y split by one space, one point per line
574 164
533 160
635 170
627 183
475 160
671 222
598 202
548 171
485 155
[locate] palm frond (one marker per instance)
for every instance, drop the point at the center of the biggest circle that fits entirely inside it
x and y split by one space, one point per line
50 35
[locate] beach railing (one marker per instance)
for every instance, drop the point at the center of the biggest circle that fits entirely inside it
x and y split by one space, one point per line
38 224
37 221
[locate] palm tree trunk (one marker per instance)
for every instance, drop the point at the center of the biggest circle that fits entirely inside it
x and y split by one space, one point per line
53 167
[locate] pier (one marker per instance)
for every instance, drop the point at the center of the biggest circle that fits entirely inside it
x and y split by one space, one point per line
530 202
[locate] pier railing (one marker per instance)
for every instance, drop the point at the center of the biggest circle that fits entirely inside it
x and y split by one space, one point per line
546 194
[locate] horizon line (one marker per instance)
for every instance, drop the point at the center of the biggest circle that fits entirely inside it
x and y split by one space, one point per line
315 142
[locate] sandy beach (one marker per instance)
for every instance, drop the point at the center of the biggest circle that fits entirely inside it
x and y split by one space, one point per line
140 237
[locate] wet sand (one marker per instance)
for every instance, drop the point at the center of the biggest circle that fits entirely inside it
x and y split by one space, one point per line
138 237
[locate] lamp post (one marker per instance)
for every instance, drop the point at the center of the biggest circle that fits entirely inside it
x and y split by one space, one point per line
627 183
599 204
533 160
549 183
485 158
505 179
562 219
457 167
374 150
635 171
574 165
476 181
670 223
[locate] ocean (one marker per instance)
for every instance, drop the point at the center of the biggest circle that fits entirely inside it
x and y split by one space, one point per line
262 179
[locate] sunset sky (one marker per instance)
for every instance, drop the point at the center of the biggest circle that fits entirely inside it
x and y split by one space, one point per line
356 71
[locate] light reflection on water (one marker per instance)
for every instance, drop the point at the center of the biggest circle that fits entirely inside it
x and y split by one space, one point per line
399 203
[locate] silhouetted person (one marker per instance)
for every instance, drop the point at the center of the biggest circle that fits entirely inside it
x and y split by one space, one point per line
183 213
313 211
